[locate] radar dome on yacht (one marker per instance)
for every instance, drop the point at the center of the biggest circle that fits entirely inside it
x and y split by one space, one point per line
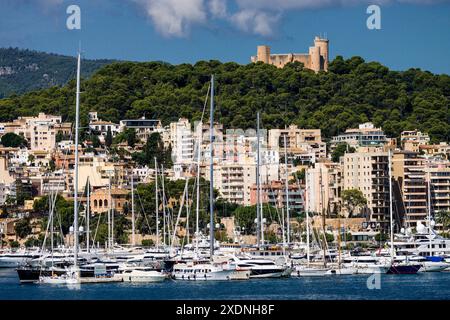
420 227
433 223
402 230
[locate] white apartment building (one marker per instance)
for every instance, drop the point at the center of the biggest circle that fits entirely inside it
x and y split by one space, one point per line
182 141
366 135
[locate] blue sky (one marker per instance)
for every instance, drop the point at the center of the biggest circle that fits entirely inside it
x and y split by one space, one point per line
414 33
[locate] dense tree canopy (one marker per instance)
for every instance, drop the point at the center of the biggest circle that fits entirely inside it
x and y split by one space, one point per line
13 140
352 92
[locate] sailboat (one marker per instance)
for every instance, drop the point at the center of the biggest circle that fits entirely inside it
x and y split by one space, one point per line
201 270
72 276
310 270
403 267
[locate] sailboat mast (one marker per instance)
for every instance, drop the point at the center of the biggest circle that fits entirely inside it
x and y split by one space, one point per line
164 206
109 214
258 194
75 198
88 213
308 186
211 171
156 204
197 207
133 227
429 208
288 229
390 204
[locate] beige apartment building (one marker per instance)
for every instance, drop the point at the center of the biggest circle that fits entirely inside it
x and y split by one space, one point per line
413 139
368 171
410 185
439 174
298 141
39 131
274 194
235 180
323 187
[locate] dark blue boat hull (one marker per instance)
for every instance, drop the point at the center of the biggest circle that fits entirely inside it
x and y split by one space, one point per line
404 269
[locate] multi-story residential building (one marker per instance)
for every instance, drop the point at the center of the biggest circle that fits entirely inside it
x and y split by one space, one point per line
40 131
438 173
274 194
102 127
298 142
411 140
323 187
143 127
182 141
6 182
441 150
368 171
235 180
366 135
49 183
410 187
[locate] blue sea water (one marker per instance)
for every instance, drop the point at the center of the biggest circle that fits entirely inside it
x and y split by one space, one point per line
423 286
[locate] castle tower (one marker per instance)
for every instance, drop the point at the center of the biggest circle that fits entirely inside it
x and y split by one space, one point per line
263 54
323 45
314 59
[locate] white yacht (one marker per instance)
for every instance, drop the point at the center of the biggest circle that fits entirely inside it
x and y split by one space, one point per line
426 242
208 271
141 274
262 268
13 259
367 264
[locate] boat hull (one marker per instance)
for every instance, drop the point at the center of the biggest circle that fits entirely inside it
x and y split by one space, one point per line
404 269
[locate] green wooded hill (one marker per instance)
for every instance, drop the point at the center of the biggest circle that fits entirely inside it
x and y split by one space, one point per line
352 92
25 70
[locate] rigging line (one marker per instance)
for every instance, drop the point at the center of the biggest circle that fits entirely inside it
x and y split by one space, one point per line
143 211
96 228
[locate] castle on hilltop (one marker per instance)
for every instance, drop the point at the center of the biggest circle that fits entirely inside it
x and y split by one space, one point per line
316 59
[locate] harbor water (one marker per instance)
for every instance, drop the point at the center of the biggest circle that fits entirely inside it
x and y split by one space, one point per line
422 286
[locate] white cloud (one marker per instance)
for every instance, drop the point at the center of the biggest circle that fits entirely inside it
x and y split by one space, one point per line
174 17
255 21
218 8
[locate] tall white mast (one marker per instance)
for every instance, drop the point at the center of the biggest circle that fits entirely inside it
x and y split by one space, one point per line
164 206
197 200
156 204
109 215
308 187
390 204
258 187
211 172
429 206
287 193
75 198
88 213
133 227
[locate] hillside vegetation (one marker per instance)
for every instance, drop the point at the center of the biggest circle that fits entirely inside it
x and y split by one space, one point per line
352 92
25 70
